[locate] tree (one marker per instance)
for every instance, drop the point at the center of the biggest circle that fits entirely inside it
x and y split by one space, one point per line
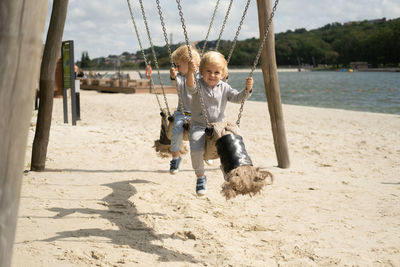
50 56
85 60
21 31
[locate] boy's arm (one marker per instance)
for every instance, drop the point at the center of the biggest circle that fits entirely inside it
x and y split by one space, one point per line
172 76
190 77
237 97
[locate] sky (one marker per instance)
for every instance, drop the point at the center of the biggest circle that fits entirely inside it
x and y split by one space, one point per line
104 27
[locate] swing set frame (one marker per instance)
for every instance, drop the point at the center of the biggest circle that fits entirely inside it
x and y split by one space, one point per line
268 66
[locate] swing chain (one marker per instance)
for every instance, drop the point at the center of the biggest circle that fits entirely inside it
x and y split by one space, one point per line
238 31
170 57
142 50
164 31
266 31
209 28
154 55
204 111
223 25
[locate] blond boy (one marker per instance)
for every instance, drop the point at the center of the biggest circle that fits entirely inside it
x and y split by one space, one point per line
181 59
215 94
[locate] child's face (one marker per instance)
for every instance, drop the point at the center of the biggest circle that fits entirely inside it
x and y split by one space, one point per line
212 74
182 67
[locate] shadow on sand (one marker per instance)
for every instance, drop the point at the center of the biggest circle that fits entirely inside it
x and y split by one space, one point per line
123 214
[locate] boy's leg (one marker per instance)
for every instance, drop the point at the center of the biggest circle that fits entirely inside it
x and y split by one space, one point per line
177 132
197 142
176 141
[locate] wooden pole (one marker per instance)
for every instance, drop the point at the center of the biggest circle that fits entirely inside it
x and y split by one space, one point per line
51 53
269 69
21 32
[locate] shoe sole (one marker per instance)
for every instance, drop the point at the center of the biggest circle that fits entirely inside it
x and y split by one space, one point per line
174 172
201 192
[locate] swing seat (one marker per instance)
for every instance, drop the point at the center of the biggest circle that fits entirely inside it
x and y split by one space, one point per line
217 130
240 176
232 152
163 144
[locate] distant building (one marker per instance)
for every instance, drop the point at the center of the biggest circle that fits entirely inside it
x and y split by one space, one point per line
375 21
372 21
359 65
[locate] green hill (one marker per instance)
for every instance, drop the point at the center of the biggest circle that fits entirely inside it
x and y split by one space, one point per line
375 41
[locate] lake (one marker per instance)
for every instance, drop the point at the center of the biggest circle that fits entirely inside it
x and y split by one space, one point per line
362 91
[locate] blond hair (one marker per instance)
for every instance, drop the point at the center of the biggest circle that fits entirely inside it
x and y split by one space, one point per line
216 59
181 54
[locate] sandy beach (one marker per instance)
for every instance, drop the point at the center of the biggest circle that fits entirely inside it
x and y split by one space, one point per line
107 199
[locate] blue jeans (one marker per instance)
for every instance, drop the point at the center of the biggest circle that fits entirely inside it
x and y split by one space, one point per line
177 131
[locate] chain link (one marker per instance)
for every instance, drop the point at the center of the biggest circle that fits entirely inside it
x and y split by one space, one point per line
209 28
266 31
154 55
142 50
204 111
238 31
164 32
170 57
223 25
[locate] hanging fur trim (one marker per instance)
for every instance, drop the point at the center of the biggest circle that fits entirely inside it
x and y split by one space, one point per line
164 151
240 175
245 180
163 145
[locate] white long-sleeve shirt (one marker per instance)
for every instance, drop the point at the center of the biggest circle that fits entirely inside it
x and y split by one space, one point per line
180 83
215 100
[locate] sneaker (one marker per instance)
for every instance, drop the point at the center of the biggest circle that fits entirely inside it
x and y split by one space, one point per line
174 165
209 162
201 186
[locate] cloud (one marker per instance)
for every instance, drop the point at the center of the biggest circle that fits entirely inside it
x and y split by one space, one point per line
104 27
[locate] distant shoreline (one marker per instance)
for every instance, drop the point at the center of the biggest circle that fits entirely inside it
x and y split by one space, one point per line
233 70
163 71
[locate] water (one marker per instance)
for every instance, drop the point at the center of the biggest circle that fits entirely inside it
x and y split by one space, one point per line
362 91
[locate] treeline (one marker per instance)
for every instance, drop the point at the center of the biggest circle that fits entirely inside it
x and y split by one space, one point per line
376 42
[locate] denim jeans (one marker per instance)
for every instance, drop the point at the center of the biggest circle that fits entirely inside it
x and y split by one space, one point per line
177 131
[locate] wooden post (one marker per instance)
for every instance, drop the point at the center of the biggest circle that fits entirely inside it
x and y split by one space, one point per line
21 32
269 69
51 54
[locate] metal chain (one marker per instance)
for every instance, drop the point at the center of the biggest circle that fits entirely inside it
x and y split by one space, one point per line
142 50
209 28
223 25
165 32
170 58
238 31
204 111
154 55
266 31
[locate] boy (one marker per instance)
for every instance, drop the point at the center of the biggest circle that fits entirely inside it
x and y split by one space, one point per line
215 94
181 59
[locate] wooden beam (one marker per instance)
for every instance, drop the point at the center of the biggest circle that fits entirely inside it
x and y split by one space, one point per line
270 74
21 32
51 53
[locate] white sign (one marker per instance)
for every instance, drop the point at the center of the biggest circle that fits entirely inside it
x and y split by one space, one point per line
77 86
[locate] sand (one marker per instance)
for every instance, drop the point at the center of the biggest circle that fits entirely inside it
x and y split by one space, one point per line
106 198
